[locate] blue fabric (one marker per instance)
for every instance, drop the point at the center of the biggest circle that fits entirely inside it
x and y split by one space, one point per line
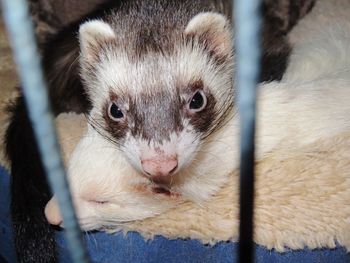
133 248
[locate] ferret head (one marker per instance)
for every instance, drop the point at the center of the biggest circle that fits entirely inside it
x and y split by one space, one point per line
157 98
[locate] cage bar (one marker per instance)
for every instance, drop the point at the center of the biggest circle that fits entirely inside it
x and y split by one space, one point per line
247 43
21 35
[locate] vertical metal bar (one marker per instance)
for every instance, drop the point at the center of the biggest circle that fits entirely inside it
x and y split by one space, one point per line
22 39
247 21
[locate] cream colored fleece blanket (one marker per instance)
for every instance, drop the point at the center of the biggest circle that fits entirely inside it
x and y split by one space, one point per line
302 195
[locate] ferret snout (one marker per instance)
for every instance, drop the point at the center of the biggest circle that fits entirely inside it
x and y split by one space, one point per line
160 169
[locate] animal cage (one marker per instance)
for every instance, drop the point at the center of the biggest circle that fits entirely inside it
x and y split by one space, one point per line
247 21
27 59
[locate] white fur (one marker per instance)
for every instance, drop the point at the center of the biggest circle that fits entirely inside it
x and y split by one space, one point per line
331 62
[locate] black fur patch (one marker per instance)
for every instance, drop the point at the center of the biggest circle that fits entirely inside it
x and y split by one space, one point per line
34 239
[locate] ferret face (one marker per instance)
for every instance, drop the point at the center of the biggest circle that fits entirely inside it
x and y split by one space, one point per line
157 107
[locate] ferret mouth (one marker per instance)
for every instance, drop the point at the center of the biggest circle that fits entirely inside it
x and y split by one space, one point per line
163 181
165 192
161 190
162 185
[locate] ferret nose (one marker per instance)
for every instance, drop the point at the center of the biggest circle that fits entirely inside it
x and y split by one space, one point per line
159 167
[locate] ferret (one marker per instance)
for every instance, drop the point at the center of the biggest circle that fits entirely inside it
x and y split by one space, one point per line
155 79
310 103
151 114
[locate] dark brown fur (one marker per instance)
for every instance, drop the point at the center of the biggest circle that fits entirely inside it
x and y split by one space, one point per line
156 116
279 17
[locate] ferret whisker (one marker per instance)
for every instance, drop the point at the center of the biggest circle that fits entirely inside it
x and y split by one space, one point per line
221 142
73 62
87 235
98 128
171 180
94 239
222 120
119 222
209 153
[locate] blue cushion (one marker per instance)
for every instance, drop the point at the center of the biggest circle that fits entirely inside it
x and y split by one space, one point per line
104 247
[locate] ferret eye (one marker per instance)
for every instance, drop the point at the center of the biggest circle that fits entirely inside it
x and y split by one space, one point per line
198 101
114 112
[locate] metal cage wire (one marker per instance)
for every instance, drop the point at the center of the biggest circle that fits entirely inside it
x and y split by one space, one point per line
21 34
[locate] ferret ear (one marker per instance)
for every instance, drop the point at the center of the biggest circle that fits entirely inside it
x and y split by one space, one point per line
213 31
92 35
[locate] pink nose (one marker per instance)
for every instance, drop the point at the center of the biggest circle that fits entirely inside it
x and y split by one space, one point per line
159 167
